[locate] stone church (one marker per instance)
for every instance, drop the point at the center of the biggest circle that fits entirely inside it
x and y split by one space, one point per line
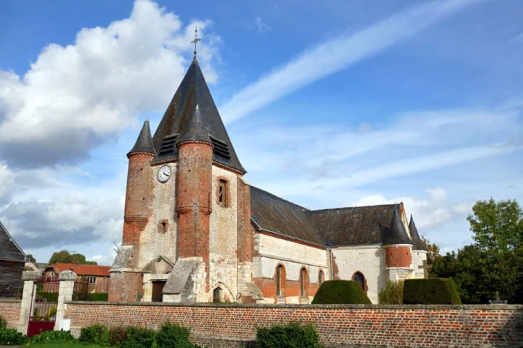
196 231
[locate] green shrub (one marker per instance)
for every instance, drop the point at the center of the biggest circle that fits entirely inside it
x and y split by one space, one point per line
3 323
173 336
11 337
392 294
117 335
48 296
98 296
138 337
51 336
95 334
340 292
291 336
431 291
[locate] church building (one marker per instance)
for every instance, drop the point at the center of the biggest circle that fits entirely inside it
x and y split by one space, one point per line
196 231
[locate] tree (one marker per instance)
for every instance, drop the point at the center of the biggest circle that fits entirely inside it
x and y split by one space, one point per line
497 225
65 257
494 262
30 258
433 255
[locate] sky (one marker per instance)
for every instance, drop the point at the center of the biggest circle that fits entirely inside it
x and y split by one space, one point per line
328 104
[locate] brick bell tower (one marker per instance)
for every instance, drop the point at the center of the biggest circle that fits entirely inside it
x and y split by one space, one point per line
186 200
126 280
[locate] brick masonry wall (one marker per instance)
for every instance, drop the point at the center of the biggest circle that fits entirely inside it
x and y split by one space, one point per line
337 326
399 256
10 311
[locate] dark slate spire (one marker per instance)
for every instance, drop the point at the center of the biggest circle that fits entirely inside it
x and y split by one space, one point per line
144 143
195 130
182 121
396 233
416 240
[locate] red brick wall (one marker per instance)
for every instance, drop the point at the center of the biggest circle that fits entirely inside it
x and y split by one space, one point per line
10 311
362 325
398 257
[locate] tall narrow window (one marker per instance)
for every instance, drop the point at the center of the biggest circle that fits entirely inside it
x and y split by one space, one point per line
320 278
222 193
279 275
303 282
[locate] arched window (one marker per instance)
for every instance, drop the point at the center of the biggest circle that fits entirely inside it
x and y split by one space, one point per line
280 280
321 277
304 282
358 277
216 295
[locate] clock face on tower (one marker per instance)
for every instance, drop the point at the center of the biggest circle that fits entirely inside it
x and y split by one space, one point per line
164 173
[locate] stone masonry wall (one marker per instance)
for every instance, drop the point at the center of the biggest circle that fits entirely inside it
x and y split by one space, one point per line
369 260
337 325
10 311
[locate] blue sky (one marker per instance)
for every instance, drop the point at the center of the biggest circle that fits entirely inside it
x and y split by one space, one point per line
328 104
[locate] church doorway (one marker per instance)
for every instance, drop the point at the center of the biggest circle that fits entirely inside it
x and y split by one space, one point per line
360 279
157 291
217 295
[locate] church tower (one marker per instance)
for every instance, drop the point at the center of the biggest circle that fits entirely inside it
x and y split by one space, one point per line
187 234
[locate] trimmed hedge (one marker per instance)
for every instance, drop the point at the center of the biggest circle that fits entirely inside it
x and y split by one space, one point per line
431 291
340 292
98 296
291 336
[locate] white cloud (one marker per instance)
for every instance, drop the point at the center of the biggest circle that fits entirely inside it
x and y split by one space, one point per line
74 97
427 213
337 54
7 179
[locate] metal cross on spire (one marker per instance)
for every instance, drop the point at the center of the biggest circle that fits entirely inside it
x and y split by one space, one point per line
196 40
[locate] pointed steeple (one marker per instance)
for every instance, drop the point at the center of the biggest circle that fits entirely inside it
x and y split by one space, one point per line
396 233
144 143
192 115
416 240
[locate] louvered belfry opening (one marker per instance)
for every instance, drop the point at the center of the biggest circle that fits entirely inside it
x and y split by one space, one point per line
168 145
220 148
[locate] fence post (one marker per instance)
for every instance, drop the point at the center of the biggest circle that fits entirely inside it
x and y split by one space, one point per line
28 298
65 293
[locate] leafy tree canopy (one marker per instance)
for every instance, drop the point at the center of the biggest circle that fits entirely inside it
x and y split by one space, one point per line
494 262
30 258
65 257
497 225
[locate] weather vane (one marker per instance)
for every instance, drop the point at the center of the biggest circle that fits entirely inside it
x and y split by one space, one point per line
196 40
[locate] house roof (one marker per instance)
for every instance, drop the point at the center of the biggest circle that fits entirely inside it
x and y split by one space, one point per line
379 224
193 116
81 270
144 143
9 249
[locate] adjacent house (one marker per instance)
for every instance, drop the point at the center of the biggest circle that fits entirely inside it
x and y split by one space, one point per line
96 276
12 263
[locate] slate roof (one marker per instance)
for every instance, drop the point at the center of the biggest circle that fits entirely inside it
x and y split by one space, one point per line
418 243
144 143
354 225
81 270
379 224
192 115
274 214
9 249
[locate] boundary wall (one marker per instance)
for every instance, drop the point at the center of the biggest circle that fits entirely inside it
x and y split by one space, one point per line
10 311
232 325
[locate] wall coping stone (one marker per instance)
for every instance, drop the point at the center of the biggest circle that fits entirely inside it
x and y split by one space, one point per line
483 307
10 301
